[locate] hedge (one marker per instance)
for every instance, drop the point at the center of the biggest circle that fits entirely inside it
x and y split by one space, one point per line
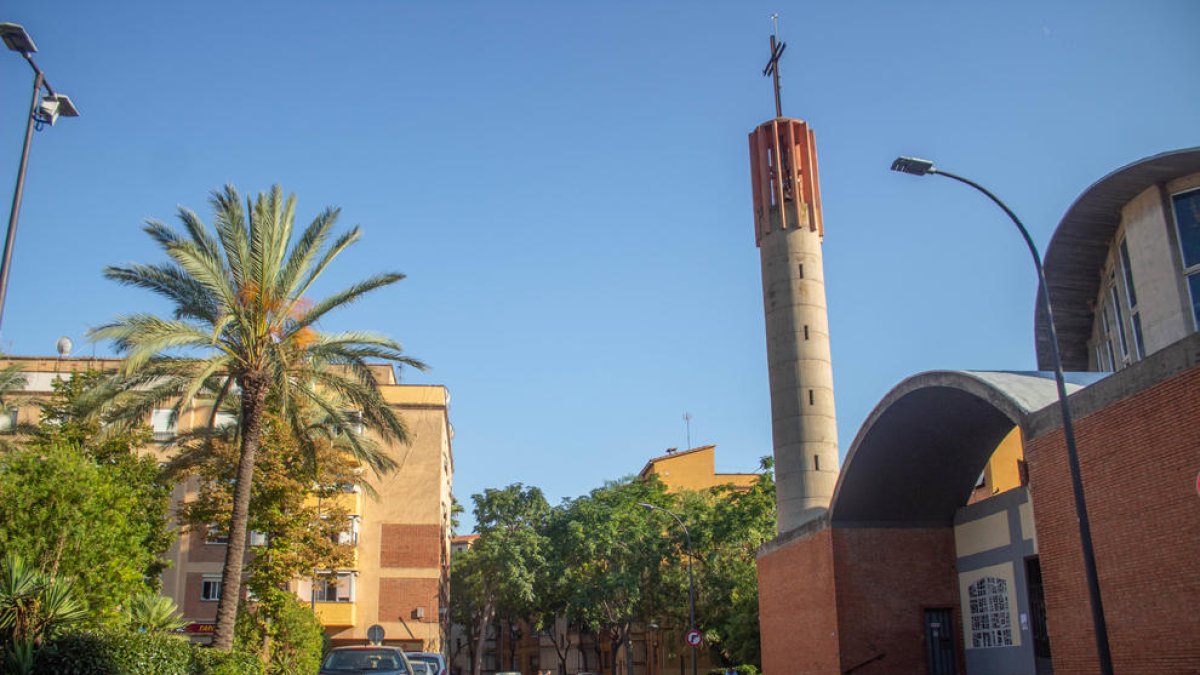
117 652
739 670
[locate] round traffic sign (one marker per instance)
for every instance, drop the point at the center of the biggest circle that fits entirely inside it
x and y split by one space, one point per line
375 634
694 637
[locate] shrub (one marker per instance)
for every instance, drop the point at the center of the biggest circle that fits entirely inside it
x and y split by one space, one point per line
206 661
115 652
121 652
293 636
740 670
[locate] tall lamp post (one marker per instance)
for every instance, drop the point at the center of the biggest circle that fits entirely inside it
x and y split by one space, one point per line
922 167
43 112
687 538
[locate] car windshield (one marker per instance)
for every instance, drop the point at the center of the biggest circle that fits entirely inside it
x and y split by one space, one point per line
364 659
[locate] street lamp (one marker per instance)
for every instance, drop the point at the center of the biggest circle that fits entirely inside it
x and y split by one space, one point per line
47 111
922 167
687 538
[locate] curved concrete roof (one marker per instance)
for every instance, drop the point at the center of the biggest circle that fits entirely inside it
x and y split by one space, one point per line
1077 251
920 452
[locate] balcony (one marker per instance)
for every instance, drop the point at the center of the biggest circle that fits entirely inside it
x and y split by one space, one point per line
336 613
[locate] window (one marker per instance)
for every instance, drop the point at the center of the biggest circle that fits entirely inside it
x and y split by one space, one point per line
215 534
990 624
1120 319
334 587
162 424
210 588
1187 224
8 421
354 421
224 419
349 536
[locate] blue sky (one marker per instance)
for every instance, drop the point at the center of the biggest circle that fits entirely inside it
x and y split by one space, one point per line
566 186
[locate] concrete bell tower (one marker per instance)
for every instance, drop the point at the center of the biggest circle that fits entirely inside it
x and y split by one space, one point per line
788 231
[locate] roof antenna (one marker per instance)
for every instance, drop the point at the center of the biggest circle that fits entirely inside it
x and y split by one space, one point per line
772 68
687 423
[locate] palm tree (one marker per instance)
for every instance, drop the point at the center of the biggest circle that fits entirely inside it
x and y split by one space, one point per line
33 606
152 612
242 316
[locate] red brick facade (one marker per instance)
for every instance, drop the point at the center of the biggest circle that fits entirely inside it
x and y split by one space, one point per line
886 578
796 607
410 545
1139 459
847 598
399 599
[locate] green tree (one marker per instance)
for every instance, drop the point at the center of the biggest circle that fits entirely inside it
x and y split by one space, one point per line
81 520
241 309
729 527
617 560
496 576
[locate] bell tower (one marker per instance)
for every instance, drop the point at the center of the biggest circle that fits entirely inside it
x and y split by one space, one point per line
788 231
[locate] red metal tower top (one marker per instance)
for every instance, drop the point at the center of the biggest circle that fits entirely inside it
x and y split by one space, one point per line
783 175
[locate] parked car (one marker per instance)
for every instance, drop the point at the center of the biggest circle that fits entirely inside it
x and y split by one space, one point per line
436 661
366 660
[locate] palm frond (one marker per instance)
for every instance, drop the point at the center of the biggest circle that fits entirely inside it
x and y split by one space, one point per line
191 299
304 253
344 297
340 244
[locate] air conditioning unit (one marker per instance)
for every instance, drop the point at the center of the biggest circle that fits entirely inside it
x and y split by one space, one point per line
419 612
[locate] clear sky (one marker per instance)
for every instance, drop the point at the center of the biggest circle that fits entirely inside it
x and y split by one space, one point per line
566 186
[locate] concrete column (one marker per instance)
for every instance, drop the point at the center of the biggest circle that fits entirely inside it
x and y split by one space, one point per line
789 233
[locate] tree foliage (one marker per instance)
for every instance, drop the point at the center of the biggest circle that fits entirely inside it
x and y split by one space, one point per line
497 575
77 519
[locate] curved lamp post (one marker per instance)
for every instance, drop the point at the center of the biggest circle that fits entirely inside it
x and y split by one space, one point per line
47 111
922 167
687 538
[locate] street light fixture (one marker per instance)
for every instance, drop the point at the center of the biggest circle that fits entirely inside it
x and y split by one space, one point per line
922 167
47 111
687 538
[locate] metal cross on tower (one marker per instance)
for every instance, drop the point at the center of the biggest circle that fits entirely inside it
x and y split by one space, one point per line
772 68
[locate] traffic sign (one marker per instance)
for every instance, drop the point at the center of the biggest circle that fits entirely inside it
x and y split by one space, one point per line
694 637
375 634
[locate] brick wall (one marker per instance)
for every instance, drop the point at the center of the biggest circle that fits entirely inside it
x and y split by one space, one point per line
410 545
796 607
885 580
199 550
1139 459
400 597
194 608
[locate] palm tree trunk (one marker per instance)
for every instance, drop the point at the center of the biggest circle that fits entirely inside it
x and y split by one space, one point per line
254 393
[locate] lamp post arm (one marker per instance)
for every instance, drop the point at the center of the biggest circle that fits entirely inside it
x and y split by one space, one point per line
1099 623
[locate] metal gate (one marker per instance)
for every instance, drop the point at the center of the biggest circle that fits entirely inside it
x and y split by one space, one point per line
939 642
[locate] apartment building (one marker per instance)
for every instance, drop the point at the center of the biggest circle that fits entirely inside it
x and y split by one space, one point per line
399 578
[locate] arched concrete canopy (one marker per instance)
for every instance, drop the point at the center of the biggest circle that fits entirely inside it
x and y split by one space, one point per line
920 452
1075 258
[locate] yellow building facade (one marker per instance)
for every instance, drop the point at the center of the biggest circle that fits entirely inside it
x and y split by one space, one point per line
694 469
